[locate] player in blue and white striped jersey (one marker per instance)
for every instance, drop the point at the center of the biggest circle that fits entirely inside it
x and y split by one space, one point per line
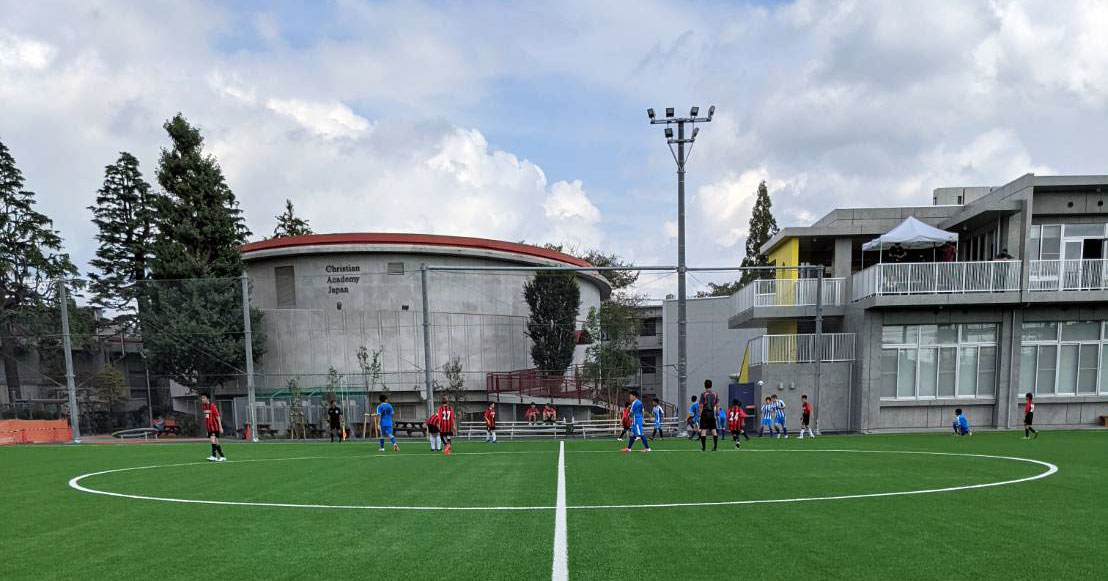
779 417
768 410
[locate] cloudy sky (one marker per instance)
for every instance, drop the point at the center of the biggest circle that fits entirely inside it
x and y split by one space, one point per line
527 121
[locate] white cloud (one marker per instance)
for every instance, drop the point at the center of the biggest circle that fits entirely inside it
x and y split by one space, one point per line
22 53
329 120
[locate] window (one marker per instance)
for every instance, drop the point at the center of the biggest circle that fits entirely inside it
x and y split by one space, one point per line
649 328
285 280
1064 358
395 268
1051 242
928 361
1084 230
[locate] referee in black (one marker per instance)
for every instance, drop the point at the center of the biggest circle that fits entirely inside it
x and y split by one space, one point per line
708 402
334 418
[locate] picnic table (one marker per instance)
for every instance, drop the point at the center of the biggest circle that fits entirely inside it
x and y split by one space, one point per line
409 427
266 430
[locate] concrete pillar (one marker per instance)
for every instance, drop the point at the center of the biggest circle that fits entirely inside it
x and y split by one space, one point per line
840 266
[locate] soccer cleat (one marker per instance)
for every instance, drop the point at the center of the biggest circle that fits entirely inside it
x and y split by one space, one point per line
446 450
625 450
395 448
212 459
380 449
1036 435
646 450
222 459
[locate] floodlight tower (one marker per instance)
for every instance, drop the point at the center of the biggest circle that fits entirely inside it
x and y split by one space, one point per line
680 155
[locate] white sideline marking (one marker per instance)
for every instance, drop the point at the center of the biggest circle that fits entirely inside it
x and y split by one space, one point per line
75 483
560 570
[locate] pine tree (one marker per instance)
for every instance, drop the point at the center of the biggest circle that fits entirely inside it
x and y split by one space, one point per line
193 325
553 298
762 227
289 224
124 215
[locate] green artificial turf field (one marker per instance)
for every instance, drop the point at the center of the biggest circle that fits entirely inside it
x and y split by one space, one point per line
1052 527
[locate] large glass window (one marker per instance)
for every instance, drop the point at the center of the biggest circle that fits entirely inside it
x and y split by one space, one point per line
1064 358
928 361
1051 242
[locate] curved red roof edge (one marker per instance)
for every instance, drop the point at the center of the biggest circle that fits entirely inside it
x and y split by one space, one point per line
416 239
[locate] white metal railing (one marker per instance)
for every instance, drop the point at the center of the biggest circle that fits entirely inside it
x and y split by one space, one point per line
562 428
915 278
788 293
1067 275
775 349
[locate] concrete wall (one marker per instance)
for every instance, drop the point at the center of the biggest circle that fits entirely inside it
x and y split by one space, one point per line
714 351
790 381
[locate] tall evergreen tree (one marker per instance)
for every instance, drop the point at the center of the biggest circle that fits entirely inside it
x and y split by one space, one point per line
124 215
31 258
289 224
762 227
193 326
554 298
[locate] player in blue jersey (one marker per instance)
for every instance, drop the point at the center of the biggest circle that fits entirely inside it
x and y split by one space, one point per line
693 421
779 417
961 424
636 408
384 422
721 423
768 411
659 416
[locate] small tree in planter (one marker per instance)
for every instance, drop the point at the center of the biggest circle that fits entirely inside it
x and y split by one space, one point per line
370 364
454 392
296 411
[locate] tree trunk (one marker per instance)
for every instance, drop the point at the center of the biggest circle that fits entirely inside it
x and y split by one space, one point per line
11 365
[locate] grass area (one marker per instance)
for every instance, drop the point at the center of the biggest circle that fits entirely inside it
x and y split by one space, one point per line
1055 527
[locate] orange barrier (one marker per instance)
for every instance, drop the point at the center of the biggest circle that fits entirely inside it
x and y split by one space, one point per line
34 431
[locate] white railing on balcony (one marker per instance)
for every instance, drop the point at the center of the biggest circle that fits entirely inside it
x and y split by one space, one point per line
1067 275
788 293
776 349
917 278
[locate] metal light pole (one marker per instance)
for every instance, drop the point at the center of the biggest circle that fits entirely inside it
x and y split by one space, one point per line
680 156
428 383
71 388
248 345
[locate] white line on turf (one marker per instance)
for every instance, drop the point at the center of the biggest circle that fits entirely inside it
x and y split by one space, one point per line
560 569
75 483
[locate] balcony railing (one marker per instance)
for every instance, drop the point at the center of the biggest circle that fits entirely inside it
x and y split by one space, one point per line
918 278
777 349
788 293
1067 275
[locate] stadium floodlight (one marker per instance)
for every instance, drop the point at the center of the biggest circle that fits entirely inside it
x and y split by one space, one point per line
680 154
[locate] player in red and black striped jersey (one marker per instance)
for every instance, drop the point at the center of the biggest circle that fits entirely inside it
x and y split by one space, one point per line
214 425
805 417
445 423
736 422
490 423
1029 417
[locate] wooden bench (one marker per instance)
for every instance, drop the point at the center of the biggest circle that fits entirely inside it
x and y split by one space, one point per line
266 430
1104 421
409 427
315 431
170 427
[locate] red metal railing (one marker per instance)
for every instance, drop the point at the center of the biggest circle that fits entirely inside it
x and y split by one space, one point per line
534 383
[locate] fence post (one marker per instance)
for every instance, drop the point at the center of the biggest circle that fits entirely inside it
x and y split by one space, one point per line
74 413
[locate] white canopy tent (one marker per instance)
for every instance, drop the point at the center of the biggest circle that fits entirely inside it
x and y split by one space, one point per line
911 234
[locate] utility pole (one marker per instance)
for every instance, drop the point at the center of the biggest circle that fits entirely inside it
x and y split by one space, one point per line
428 385
71 387
681 156
248 342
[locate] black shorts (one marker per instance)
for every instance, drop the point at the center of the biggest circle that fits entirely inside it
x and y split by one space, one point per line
805 418
213 433
708 421
336 427
1028 417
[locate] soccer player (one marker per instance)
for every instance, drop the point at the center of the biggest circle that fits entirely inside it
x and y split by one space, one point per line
961 424
433 431
532 414
384 423
445 415
1028 416
694 417
635 409
708 402
768 412
779 417
625 420
659 416
490 424
334 419
805 417
214 425
736 419
721 422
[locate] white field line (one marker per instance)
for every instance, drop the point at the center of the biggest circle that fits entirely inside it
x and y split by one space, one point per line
75 483
560 568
